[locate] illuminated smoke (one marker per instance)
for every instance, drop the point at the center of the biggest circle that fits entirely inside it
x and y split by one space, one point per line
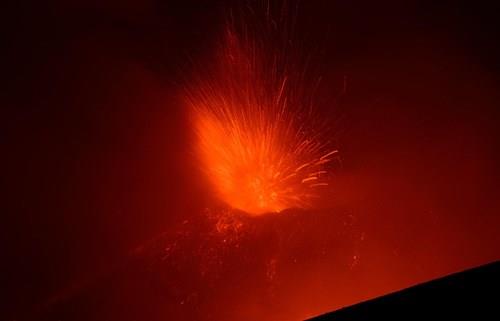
257 137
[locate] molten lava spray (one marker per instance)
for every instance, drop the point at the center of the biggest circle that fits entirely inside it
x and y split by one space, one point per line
258 138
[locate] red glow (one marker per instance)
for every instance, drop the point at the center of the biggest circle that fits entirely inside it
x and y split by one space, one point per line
256 139
102 161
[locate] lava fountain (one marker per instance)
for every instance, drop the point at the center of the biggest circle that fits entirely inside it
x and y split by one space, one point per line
258 137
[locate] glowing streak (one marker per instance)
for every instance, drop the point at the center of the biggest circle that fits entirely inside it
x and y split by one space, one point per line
305 180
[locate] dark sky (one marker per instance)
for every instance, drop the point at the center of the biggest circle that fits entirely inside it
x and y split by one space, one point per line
96 157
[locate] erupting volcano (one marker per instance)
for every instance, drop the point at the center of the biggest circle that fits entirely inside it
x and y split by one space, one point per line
258 138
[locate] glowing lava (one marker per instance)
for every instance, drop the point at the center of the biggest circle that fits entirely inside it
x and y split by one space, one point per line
257 138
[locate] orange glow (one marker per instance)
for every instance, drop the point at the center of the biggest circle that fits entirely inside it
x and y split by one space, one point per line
257 137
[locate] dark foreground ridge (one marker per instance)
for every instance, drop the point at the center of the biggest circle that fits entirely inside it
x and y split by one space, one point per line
473 294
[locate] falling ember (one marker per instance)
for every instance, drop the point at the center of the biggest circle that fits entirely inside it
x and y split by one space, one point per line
257 136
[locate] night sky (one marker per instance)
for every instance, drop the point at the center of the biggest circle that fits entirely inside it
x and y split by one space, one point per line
100 181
